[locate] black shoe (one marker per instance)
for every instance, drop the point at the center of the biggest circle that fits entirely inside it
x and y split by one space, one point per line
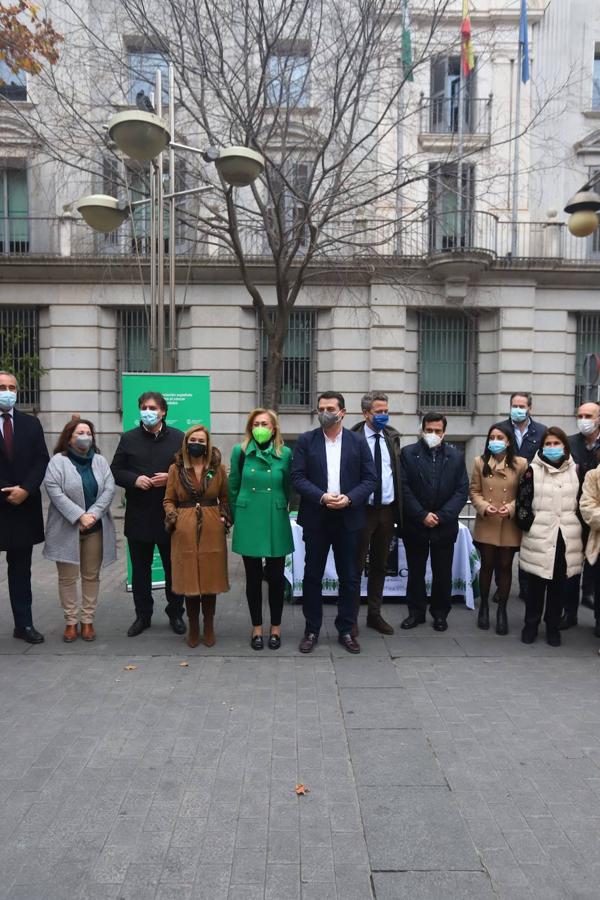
256 642
440 625
308 642
29 634
553 637
177 624
274 642
349 643
483 617
501 618
412 621
529 634
138 626
567 621
588 601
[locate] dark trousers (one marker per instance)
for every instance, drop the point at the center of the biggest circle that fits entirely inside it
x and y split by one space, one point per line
441 571
141 553
552 593
273 572
19 585
589 580
345 545
375 539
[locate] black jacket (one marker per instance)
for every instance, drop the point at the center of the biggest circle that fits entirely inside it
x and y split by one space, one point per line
532 440
392 439
309 477
142 453
442 489
22 526
584 458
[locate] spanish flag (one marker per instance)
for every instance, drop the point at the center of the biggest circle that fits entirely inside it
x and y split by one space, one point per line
467 55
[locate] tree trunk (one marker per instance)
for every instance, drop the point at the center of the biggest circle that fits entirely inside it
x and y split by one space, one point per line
273 376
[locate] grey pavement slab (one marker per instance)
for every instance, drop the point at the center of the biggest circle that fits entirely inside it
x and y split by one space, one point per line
433 886
394 757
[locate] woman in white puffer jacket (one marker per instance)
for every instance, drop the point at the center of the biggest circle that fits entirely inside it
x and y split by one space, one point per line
551 549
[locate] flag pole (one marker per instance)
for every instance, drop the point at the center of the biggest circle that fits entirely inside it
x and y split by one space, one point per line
516 158
461 150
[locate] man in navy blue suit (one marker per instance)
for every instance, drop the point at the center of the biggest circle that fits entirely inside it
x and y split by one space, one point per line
435 488
23 461
334 473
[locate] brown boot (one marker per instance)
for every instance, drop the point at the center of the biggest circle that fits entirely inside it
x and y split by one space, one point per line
209 602
87 632
70 634
192 607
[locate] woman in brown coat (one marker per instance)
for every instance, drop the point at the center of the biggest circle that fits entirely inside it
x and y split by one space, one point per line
197 515
493 491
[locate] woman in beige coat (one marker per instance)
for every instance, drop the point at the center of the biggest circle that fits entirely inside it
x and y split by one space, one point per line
197 515
493 491
551 551
589 506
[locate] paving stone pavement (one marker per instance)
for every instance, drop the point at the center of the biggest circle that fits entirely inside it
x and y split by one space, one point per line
457 765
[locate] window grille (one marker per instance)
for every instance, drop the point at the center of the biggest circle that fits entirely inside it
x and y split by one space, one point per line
299 359
447 364
19 350
588 341
133 342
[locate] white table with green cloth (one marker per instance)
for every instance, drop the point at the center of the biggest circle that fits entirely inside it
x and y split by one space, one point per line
465 569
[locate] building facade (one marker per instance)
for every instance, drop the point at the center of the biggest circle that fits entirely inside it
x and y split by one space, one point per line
453 310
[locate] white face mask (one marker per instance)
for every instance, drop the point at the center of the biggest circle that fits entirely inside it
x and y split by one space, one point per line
587 426
432 440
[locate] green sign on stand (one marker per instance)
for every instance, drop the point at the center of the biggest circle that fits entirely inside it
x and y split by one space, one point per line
188 399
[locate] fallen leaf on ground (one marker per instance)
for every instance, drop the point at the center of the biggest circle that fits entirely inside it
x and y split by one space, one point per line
130 668
301 790
184 665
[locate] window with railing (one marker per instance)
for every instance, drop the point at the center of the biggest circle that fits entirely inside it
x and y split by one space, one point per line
596 78
444 107
287 76
447 363
133 341
299 360
13 85
286 210
142 64
450 207
587 341
14 211
19 351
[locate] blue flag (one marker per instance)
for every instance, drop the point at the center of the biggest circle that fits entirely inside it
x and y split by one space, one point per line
524 43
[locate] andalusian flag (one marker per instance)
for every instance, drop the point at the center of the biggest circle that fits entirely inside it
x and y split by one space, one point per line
467 56
407 59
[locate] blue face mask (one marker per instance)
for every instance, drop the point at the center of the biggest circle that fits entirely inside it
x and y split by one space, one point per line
496 447
517 414
553 454
149 417
7 400
380 420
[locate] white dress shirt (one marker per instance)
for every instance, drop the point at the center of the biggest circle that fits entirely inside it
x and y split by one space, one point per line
519 435
387 476
11 413
333 454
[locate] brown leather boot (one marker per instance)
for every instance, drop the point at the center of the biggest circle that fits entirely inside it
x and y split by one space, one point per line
192 607
70 634
209 603
87 632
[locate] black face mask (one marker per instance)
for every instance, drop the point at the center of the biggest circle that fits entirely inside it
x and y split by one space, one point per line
197 450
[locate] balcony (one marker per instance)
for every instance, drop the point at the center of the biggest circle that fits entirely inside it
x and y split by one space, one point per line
439 123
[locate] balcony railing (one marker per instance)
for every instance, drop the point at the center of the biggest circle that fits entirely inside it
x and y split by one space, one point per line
440 115
410 240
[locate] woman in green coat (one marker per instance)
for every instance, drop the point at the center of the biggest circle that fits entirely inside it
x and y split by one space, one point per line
259 490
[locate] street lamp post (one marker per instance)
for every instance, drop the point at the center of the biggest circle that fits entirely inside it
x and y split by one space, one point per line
144 137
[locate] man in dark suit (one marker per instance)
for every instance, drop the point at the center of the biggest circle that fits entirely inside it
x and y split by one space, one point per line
23 461
585 451
384 509
435 487
333 472
528 435
141 465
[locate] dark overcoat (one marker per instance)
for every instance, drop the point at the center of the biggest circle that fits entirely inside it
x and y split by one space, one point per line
141 452
22 526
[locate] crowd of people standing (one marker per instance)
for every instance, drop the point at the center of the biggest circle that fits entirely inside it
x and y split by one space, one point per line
535 491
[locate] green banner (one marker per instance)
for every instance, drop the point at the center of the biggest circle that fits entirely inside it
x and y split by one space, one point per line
188 399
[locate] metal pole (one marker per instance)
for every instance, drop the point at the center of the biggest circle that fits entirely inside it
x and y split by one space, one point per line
461 150
153 266
172 203
160 235
516 159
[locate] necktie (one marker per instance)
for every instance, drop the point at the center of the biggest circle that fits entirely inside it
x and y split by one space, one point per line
8 434
378 469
